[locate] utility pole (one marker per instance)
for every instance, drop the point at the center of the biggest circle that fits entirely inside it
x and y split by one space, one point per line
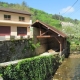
59 16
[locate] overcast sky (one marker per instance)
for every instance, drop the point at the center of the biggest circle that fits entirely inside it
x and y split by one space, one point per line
64 7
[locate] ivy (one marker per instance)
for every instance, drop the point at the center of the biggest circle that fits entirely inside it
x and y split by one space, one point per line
35 68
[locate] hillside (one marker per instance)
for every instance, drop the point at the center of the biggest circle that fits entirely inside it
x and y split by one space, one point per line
51 19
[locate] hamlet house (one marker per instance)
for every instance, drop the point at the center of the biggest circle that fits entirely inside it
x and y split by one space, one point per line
14 24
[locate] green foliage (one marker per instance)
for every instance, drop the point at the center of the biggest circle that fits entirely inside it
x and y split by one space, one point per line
0 74
62 58
5 5
58 17
32 46
73 33
36 68
45 17
74 43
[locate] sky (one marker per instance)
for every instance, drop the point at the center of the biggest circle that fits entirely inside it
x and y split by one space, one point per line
65 8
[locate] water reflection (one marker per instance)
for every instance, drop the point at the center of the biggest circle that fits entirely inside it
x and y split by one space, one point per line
69 70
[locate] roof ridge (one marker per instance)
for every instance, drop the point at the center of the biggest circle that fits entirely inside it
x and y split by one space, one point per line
14 10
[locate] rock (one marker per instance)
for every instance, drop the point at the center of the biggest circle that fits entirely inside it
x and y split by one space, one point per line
1 78
51 51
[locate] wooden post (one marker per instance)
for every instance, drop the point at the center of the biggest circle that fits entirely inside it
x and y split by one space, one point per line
60 48
40 31
60 45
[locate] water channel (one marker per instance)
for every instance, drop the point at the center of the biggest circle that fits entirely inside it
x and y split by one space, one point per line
69 69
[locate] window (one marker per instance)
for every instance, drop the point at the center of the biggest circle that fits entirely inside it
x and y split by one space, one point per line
21 18
7 17
22 31
4 30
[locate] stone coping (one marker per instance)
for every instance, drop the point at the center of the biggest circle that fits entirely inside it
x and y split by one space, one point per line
9 63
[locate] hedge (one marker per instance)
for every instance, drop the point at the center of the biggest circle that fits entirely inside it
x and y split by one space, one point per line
36 68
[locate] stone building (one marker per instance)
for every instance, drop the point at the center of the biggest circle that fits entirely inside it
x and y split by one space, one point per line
49 38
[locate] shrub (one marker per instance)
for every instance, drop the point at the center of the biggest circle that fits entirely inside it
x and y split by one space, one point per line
36 68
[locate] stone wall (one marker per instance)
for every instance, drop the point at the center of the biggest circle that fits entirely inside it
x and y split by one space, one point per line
13 50
43 42
66 51
53 44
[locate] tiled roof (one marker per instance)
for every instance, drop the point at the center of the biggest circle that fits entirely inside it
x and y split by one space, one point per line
14 11
50 27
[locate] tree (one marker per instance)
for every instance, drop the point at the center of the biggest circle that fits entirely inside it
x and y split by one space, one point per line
24 4
58 17
76 21
5 5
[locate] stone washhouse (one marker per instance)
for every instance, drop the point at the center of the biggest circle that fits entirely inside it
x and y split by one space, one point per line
49 38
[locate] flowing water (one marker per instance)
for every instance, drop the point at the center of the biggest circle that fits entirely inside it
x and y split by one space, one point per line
69 69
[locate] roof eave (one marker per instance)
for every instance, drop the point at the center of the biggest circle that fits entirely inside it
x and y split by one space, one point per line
37 21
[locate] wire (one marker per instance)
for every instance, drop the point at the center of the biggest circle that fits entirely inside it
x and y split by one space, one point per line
70 8
76 10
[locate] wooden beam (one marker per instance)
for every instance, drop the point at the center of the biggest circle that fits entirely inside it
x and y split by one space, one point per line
57 39
44 33
46 36
60 43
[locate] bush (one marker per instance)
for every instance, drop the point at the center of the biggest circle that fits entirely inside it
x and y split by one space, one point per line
36 68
